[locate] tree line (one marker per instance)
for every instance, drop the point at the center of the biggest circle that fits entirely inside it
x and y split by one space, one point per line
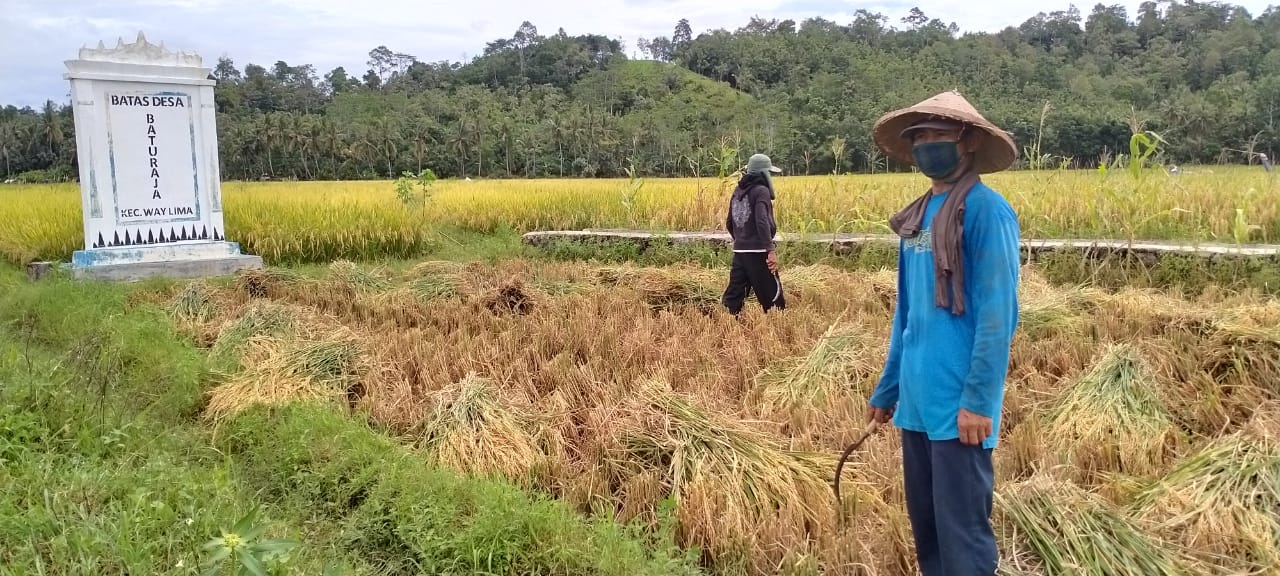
1071 88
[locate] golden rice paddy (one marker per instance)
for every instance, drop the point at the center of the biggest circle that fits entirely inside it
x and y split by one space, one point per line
289 222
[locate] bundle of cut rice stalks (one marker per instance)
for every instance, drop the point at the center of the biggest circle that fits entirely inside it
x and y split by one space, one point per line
435 267
815 278
512 297
278 371
1073 532
436 286
345 290
259 318
1053 312
472 431
434 280
1112 420
1245 349
820 282
1133 313
663 289
193 305
738 495
400 306
614 275
266 283
1223 501
348 278
800 390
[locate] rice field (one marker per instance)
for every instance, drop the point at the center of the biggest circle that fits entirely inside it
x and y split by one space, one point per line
1141 430
287 222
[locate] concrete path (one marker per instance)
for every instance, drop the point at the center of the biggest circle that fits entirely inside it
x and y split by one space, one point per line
1034 247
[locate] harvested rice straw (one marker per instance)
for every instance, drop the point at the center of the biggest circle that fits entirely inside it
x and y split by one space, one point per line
266 283
434 287
801 389
1141 313
194 304
399 306
818 279
662 288
434 268
347 277
1223 502
1247 340
277 372
1049 314
471 432
554 411
1112 419
1073 532
258 318
729 481
512 297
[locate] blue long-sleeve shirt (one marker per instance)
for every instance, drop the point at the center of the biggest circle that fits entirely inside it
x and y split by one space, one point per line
937 362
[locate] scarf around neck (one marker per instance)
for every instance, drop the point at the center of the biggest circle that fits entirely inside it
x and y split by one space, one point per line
947 233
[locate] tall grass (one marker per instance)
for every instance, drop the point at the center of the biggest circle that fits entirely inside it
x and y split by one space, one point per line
322 221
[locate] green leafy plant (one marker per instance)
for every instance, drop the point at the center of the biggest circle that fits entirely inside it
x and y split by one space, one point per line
242 550
630 191
1143 146
1241 229
727 158
1127 205
405 187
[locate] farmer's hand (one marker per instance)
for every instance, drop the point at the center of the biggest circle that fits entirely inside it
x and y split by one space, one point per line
772 260
973 428
880 415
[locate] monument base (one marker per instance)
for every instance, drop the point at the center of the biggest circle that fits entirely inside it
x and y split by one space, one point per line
201 260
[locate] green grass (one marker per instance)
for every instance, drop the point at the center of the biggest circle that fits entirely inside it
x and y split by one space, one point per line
409 518
102 473
106 468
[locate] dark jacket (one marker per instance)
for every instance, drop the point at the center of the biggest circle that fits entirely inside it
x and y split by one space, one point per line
750 220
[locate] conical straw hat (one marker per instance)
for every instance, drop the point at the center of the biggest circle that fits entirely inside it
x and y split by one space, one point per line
996 151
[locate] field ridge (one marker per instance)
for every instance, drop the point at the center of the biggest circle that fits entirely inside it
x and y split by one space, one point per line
1034 245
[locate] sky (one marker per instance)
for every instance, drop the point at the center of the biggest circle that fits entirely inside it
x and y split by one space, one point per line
37 36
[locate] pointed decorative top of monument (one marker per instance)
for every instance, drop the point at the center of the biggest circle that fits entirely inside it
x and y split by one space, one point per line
139 52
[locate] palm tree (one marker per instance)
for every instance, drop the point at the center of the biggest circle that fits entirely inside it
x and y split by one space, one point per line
51 128
10 135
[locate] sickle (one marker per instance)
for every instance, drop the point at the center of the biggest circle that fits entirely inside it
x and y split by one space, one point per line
866 433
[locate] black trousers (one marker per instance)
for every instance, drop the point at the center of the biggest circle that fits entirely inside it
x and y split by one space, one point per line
750 272
949 490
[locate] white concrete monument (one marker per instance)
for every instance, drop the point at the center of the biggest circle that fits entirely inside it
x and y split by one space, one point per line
147 144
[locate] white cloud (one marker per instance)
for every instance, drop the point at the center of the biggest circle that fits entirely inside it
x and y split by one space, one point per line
38 35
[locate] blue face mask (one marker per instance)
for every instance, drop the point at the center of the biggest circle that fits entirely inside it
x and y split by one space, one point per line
936 160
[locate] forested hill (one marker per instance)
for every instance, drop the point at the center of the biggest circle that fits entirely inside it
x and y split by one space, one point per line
1204 76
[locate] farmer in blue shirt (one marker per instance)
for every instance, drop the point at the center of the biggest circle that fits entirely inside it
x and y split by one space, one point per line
957 308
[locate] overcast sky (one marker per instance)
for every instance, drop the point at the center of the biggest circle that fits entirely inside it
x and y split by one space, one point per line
36 36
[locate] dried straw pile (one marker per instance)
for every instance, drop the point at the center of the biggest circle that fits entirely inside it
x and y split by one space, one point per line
1112 420
1223 501
277 371
473 430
